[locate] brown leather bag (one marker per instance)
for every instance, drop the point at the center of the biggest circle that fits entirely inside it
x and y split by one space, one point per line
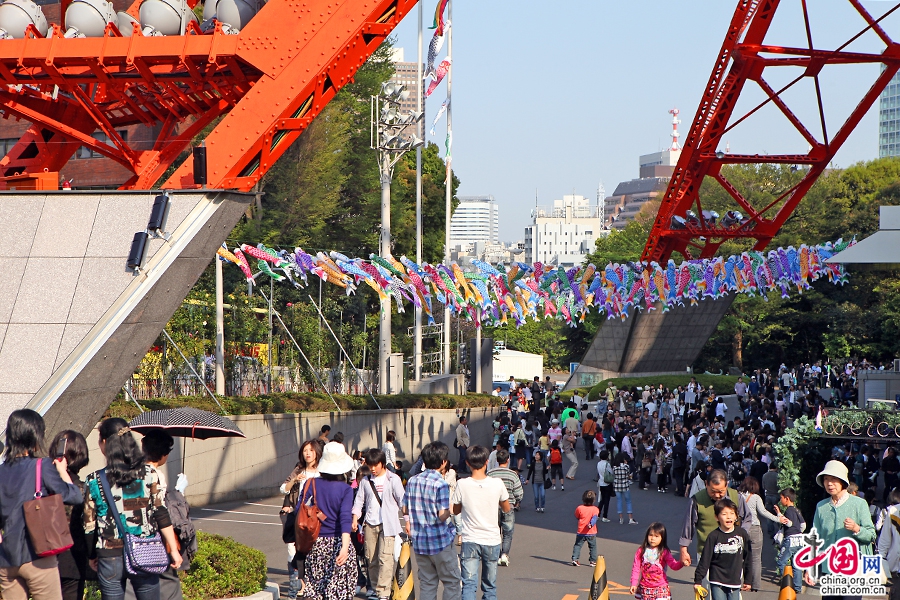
309 520
45 519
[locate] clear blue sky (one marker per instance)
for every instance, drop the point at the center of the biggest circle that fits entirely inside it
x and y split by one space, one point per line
558 96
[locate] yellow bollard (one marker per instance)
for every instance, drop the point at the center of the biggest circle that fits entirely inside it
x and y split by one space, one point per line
599 586
403 586
787 584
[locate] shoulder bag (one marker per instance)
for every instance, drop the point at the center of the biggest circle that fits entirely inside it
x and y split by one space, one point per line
309 519
45 519
143 556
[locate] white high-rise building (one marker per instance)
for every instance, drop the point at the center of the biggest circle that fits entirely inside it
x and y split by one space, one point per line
563 234
476 219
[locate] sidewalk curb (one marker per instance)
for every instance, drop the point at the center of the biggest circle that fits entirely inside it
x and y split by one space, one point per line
270 592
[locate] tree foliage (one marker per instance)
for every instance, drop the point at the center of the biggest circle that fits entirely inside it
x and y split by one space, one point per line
860 319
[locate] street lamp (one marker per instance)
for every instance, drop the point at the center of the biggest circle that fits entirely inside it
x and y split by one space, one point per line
387 137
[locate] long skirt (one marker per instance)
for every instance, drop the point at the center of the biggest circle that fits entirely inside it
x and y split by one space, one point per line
324 579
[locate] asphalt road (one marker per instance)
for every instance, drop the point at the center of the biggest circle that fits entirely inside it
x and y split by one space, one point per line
542 544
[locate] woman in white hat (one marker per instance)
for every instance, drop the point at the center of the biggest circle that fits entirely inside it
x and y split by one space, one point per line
842 515
331 568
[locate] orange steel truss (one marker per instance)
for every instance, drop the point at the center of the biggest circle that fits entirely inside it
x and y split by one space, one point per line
266 84
745 57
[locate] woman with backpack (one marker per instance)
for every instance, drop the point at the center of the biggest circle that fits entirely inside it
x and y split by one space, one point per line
605 484
23 573
556 463
121 500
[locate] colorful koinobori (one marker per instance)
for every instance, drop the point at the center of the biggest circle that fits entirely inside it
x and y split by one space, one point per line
494 295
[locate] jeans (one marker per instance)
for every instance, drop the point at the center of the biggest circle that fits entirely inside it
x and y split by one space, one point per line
723 593
785 558
627 496
540 494
579 542
461 466
472 554
588 446
111 577
507 526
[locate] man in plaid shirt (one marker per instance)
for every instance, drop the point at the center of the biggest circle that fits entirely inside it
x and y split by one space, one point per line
427 502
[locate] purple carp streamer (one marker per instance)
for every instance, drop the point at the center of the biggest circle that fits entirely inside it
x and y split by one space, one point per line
497 295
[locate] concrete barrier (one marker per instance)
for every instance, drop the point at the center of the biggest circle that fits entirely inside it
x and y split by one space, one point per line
220 470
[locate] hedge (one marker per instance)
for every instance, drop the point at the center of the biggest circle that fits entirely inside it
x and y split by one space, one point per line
290 402
223 568
723 384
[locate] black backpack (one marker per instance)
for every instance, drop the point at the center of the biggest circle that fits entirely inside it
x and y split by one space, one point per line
738 474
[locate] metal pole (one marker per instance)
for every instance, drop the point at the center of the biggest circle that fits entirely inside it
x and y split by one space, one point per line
420 131
384 331
349 360
271 296
220 331
194 371
300 350
478 357
449 188
127 390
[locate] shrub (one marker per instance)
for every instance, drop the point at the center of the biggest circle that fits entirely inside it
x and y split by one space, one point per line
223 568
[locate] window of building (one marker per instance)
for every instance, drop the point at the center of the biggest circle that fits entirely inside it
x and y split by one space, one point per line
84 152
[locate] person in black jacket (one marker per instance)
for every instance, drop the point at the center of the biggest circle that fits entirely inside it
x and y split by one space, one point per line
726 555
679 463
758 468
73 563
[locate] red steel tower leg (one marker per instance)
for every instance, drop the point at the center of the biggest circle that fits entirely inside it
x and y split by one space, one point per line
745 57
267 83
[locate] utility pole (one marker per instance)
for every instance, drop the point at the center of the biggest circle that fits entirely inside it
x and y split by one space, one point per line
420 131
220 331
385 136
449 185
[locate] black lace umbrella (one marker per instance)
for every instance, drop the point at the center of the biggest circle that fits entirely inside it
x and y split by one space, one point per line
187 423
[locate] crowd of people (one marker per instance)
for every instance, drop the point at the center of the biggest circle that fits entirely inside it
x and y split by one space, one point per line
129 498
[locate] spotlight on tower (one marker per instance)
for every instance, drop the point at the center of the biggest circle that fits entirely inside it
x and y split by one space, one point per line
17 15
167 17
89 18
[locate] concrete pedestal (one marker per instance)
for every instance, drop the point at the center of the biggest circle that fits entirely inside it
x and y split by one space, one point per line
74 321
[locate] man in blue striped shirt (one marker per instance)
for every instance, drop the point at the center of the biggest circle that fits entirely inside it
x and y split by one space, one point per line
427 502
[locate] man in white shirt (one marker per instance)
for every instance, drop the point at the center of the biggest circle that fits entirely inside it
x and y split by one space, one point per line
476 499
381 495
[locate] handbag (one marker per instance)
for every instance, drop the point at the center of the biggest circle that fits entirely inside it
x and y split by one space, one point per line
308 521
45 519
143 556
608 475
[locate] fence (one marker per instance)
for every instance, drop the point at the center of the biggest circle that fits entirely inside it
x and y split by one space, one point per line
247 377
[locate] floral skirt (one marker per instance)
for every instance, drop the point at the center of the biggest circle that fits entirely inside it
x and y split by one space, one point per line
654 593
324 579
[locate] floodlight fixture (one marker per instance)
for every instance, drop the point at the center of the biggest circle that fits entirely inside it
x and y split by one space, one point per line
403 96
720 155
138 251
159 215
691 218
710 216
168 17
677 222
387 88
732 218
89 18
234 13
17 15
125 22
416 142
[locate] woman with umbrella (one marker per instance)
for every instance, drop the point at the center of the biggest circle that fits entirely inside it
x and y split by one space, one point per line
331 569
134 489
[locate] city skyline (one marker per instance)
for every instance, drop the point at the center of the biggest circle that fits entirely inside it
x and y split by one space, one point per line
555 118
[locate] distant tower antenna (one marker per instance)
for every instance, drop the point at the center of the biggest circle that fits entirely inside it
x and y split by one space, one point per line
675 121
601 197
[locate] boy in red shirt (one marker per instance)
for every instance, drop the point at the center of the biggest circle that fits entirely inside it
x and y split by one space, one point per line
587 515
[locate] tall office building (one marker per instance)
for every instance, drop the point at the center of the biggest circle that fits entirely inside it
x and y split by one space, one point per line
476 219
565 233
889 119
405 74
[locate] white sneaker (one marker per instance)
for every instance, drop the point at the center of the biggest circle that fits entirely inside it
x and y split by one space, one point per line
562 487
553 487
504 560
621 520
604 520
632 522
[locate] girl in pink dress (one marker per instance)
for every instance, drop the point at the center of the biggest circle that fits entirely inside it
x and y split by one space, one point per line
648 575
